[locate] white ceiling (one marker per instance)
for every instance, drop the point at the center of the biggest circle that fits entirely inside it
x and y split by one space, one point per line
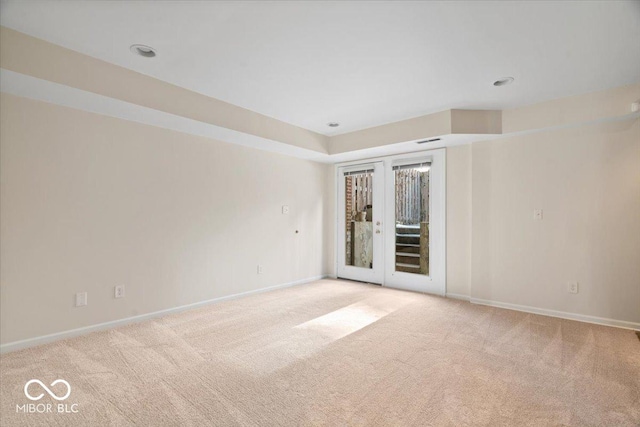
359 63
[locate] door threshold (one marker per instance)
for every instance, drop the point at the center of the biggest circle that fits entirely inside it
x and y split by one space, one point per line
359 281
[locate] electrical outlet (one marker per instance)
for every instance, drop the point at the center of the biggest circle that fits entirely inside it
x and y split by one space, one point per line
118 291
81 299
285 210
573 287
260 269
537 214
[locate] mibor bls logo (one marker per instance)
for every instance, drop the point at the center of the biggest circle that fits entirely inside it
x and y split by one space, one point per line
40 408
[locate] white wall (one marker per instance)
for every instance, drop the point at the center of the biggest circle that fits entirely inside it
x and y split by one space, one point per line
89 202
459 220
587 182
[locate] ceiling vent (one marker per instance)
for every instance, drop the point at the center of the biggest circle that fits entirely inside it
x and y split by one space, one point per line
428 140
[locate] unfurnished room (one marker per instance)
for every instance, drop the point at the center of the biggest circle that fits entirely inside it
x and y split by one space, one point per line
319 213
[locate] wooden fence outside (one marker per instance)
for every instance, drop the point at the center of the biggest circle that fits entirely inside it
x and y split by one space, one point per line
412 196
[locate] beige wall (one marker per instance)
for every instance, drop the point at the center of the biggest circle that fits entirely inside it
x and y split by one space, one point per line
458 220
573 110
586 179
587 182
406 130
89 202
447 122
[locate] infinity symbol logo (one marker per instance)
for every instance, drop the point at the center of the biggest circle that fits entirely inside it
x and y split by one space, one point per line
52 394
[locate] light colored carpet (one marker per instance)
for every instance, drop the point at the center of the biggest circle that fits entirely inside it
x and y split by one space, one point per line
337 353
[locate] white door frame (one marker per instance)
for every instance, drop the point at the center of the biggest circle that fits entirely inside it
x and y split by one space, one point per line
376 273
436 281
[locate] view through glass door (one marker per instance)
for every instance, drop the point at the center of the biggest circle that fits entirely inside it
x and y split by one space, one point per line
415 222
360 205
411 220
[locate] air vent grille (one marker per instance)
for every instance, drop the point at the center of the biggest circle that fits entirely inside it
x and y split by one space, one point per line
428 140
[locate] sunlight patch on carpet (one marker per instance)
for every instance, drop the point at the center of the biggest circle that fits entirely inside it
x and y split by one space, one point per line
345 321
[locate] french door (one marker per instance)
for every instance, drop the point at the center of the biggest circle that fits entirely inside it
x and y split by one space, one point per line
391 221
361 204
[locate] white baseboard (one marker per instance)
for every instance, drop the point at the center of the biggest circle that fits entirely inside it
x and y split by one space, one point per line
458 296
561 314
44 339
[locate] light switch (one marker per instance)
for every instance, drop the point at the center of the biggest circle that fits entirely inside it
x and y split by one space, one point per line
81 299
285 210
573 287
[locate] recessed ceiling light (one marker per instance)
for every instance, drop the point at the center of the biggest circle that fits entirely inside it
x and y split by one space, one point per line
142 50
333 124
503 81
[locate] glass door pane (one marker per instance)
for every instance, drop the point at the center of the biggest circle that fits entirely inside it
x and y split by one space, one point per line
359 218
359 233
412 218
